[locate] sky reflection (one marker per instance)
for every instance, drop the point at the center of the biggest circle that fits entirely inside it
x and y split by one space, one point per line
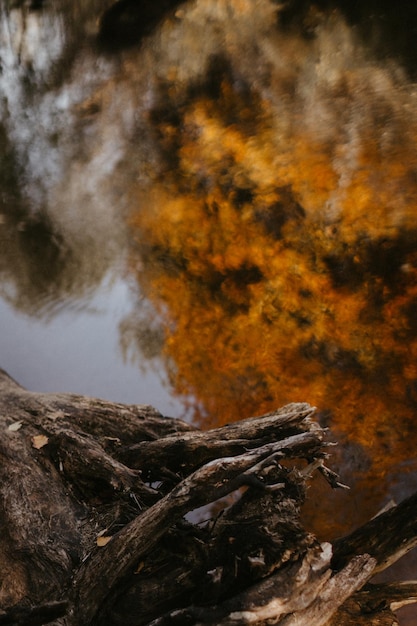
78 351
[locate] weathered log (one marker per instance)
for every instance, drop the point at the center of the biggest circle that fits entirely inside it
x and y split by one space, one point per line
34 615
386 537
93 503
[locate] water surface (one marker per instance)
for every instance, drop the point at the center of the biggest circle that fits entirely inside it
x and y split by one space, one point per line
217 219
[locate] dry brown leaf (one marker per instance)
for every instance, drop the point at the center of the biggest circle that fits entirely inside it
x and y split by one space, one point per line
102 541
38 441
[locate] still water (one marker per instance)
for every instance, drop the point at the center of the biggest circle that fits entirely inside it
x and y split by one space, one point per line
218 219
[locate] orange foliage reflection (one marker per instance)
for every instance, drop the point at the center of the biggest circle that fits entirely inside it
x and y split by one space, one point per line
284 267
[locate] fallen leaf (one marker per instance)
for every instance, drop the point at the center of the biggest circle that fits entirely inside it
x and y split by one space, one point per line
102 541
38 441
15 426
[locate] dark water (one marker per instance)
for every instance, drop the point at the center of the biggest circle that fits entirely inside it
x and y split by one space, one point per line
218 219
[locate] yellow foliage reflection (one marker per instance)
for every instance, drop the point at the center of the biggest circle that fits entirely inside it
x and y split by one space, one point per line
283 262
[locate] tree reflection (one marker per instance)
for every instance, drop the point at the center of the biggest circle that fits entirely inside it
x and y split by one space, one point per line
52 249
40 268
279 247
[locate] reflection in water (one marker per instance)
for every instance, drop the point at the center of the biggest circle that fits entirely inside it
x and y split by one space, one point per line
279 241
270 178
57 203
77 351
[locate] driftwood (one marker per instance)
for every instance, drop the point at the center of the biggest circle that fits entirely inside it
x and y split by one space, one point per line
93 504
